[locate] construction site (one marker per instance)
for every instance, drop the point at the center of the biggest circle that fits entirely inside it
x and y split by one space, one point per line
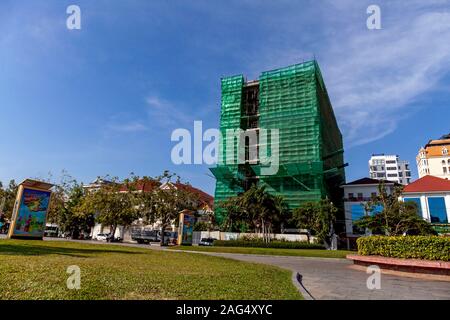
294 101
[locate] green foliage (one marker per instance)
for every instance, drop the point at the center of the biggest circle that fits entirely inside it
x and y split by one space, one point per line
7 199
318 218
396 218
407 247
260 243
110 206
201 226
69 214
164 203
255 209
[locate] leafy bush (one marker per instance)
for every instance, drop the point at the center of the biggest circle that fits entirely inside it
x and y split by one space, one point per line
407 247
200 226
259 243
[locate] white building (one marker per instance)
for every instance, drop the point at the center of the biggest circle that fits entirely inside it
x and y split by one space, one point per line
356 196
434 158
389 167
432 196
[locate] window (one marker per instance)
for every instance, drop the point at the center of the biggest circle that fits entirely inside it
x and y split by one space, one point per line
351 195
390 161
438 212
391 168
360 196
357 211
444 169
444 151
373 194
417 202
392 175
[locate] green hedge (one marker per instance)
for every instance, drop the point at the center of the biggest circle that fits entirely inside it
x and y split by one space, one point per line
272 244
407 247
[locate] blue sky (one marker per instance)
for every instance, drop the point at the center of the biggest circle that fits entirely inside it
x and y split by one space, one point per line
105 99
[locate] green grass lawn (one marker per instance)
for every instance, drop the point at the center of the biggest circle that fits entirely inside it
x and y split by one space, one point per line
271 251
37 270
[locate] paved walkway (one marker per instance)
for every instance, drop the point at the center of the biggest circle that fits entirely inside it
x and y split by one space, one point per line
334 279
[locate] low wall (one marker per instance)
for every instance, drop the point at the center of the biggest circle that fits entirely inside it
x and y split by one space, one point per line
197 235
404 265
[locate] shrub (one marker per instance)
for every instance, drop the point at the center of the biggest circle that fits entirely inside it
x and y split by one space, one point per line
259 243
407 247
200 226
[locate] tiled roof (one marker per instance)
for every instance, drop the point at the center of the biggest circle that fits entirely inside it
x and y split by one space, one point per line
149 185
428 184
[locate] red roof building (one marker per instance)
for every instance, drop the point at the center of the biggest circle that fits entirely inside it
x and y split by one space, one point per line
428 184
432 197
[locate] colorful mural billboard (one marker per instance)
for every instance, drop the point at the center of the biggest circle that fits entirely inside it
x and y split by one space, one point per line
31 213
186 228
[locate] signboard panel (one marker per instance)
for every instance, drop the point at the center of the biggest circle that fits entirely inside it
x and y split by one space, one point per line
30 213
186 228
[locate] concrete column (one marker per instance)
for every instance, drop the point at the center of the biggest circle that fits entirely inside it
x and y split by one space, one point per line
425 210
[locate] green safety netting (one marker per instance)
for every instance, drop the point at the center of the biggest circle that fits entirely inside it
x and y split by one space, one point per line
294 101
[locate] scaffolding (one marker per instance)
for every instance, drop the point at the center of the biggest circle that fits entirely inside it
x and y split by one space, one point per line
294 101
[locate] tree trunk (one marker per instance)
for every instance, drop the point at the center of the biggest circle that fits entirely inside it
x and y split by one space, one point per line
112 233
163 228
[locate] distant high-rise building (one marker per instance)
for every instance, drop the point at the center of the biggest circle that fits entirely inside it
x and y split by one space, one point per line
434 158
389 167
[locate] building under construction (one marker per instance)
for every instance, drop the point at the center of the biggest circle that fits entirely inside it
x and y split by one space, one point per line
292 102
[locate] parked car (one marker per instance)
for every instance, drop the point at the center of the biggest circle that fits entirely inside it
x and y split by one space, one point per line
102 236
206 242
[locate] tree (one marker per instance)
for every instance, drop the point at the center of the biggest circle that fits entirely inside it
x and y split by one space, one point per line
234 215
165 202
8 199
318 218
111 205
396 217
305 217
258 208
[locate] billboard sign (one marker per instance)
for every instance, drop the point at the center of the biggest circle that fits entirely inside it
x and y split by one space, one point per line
30 212
186 227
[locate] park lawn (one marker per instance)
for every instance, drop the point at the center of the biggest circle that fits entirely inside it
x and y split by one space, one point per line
271 251
37 270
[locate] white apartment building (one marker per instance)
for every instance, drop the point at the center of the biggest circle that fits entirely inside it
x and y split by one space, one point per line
389 167
434 158
356 196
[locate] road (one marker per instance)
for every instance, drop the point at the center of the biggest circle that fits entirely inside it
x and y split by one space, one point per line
331 279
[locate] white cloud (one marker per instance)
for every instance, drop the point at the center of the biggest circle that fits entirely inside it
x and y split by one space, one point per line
133 126
166 113
384 71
